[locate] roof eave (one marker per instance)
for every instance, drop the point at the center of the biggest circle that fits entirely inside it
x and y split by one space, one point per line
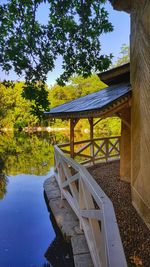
122 5
116 75
101 112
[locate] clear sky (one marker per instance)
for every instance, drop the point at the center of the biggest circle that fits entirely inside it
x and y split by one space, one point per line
111 42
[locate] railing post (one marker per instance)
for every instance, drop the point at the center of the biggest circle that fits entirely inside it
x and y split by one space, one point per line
107 149
73 123
91 139
100 148
71 138
91 206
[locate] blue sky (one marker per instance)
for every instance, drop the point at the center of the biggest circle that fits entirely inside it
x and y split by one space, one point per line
111 42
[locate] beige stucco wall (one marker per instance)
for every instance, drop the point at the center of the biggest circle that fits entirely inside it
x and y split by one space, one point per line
140 132
140 112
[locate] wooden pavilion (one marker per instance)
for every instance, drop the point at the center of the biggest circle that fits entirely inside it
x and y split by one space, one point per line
132 106
89 202
135 114
114 100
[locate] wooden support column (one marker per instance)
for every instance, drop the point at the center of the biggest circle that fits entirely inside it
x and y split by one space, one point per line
91 138
72 138
125 145
73 123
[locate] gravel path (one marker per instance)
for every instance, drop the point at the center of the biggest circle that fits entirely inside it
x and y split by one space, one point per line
134 233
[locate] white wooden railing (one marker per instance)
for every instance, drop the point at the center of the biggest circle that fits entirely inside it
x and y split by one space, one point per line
94 210
92 151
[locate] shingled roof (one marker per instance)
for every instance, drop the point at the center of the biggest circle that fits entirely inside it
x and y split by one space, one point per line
99 103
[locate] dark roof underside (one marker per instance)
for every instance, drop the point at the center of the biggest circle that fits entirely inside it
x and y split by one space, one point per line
120 74
95 102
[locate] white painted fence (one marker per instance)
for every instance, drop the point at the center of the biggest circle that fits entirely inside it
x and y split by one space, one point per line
94 210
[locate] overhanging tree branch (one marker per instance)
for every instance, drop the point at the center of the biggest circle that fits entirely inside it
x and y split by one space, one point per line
73 31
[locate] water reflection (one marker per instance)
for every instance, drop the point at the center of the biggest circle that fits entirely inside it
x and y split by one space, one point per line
59 252
3 184
26 232
28 154
3 179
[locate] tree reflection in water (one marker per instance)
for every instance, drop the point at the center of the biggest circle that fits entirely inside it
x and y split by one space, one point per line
23 154
26 153
3 184
3 179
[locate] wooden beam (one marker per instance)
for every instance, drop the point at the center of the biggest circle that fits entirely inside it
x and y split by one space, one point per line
73 123
125 145
72 138
76 121
91 128
97 121
91 138
114 109
124 120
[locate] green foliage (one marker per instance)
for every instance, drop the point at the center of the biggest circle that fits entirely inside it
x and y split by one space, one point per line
105 128
22 153
77 87
15 111
124 56
108 127
3 178
28 154
3 184
37 93
18 112
72 32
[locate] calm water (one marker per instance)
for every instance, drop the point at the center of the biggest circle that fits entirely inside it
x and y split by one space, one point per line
27 237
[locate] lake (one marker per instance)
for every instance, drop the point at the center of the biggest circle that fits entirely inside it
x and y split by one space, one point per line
27 236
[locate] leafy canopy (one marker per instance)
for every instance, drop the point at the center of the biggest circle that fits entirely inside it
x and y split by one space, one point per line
72 31
15 111
77 87
124 56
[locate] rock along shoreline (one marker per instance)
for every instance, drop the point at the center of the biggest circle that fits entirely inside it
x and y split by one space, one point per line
68 223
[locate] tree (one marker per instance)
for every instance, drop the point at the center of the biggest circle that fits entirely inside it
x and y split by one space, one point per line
15 111
72 31
124 56
77 87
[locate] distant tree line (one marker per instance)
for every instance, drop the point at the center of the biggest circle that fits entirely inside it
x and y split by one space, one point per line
18 112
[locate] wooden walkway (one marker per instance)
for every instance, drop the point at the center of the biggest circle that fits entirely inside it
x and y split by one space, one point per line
134 233
93 209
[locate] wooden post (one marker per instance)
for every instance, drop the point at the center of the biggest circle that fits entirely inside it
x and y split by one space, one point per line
73 123
125 145
72 138
107 149
91 138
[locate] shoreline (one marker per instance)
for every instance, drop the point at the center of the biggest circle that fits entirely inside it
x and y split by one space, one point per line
68 223
35 129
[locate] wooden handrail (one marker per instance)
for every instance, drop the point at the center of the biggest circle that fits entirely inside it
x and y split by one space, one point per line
97 149
87 140
94 210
